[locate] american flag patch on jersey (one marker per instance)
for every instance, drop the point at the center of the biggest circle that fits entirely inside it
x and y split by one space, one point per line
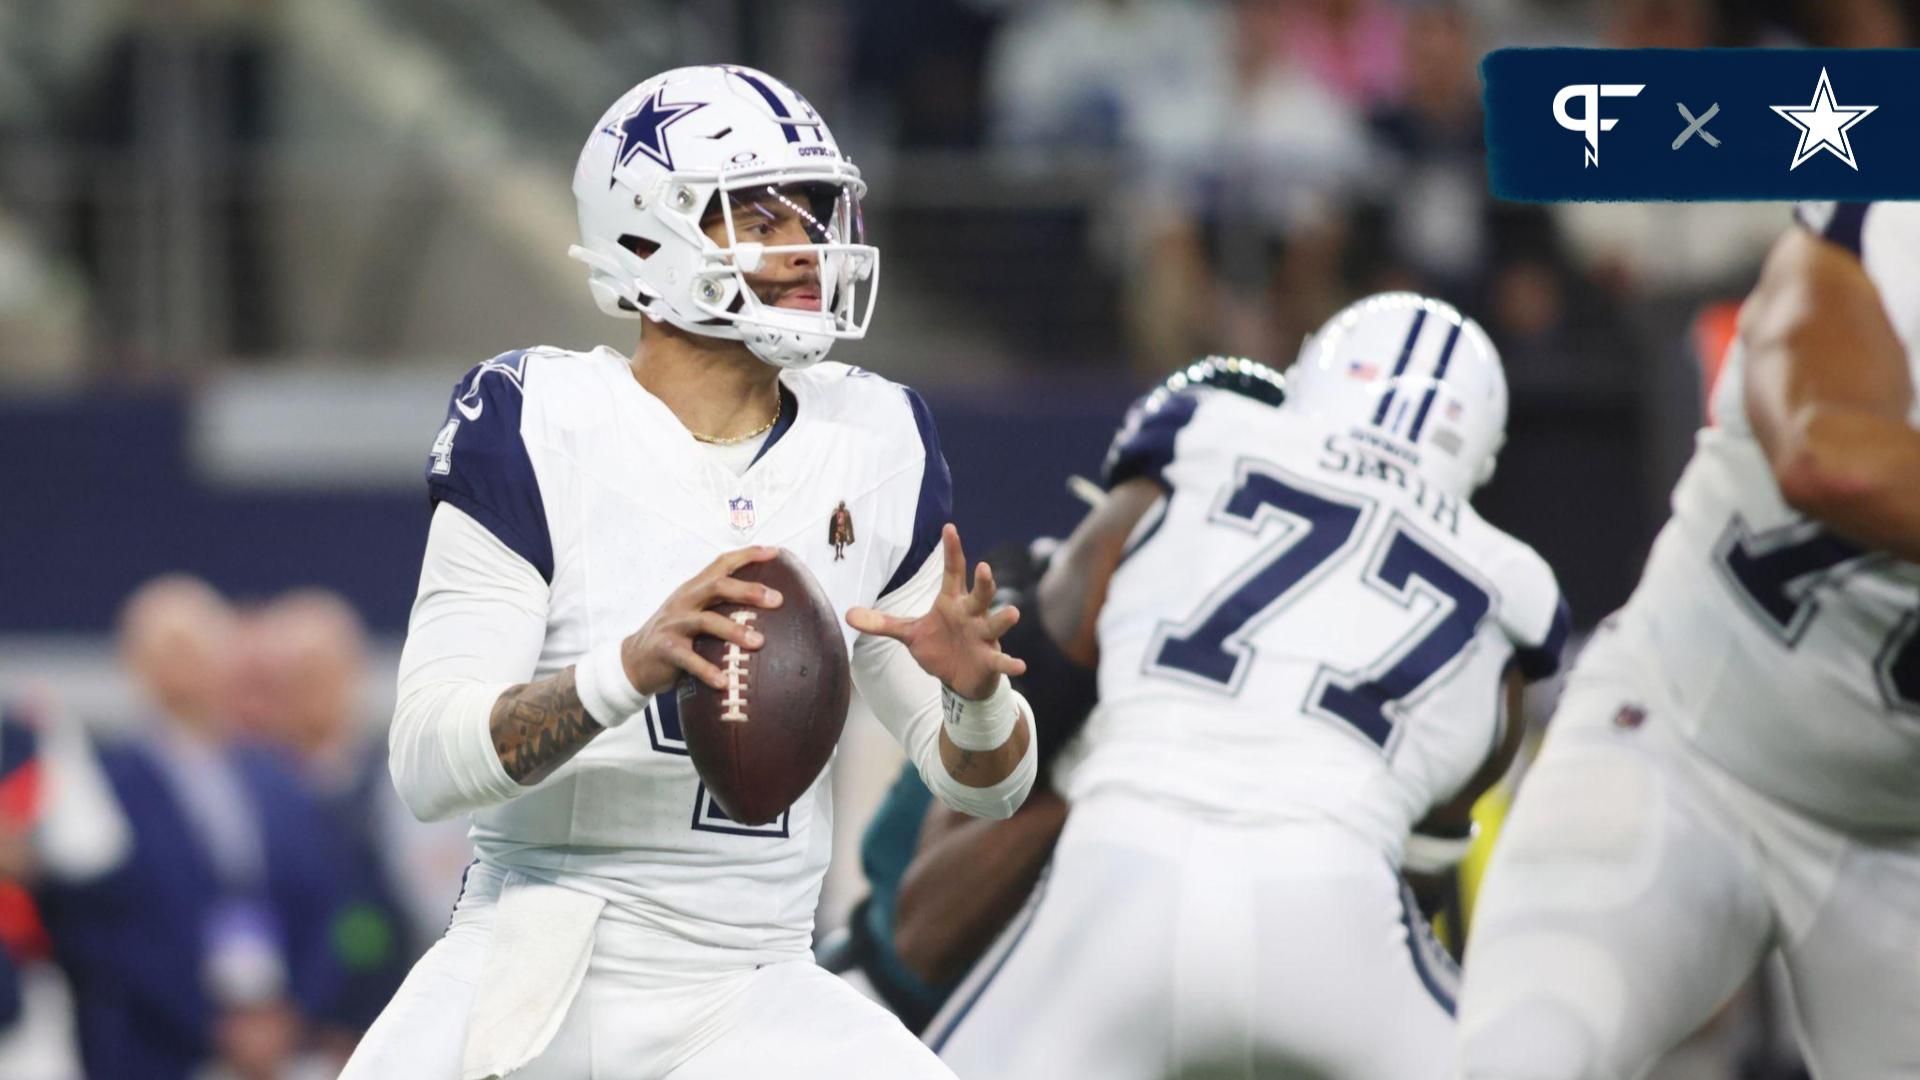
1363 369
740 512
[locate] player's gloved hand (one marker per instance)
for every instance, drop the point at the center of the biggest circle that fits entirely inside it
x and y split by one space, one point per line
958 640
655 655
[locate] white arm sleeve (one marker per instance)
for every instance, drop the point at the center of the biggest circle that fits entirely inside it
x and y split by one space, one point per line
907 701
477 627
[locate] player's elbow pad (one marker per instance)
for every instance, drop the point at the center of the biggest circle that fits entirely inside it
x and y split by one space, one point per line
440 750
997 802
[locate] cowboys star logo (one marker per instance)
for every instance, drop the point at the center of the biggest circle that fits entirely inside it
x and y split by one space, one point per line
644 130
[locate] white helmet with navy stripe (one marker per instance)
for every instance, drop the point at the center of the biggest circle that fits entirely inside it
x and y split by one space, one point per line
1414 375
698 139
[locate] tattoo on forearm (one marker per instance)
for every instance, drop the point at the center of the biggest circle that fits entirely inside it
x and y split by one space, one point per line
984 768
537 726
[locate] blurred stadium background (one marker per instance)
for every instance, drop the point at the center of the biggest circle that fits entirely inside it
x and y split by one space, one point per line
247 245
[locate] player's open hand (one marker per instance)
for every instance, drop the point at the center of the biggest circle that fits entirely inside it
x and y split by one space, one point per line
958 640
656 654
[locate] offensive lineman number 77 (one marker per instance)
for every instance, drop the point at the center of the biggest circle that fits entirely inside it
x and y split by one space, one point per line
1209 646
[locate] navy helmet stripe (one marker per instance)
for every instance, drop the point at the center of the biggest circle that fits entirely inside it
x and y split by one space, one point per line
773 99
1439 375
1400 365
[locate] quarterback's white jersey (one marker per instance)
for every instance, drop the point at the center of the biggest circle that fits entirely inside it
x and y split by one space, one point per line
1303 629
570 463
1791 653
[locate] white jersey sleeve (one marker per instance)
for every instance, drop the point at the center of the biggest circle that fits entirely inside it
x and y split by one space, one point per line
903 696
476 629
480 616
907 701
1532 612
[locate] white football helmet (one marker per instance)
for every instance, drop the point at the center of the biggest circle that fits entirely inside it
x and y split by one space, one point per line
697 140
1415 373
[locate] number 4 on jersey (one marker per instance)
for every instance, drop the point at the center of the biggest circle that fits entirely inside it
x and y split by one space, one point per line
1212 647
442 452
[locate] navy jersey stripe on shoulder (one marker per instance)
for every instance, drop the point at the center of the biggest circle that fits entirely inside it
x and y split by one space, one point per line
935 506
1144 445
1540 661
1845 227
479 462
789 412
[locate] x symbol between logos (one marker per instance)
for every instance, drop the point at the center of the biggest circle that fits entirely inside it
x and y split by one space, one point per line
1696 127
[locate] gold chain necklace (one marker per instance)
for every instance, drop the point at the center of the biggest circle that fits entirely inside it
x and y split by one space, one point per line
715 440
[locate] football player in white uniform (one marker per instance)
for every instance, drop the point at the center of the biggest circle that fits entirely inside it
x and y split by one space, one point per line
589 507
1308 642
1735 765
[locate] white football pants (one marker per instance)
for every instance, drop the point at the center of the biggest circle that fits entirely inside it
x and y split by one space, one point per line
1163 945
788 1019
1637 885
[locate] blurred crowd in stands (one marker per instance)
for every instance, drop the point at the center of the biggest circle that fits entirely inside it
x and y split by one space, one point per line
231 889
1284 156
1234 170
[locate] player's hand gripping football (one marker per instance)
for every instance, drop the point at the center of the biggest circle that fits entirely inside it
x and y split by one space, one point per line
958 640
656 654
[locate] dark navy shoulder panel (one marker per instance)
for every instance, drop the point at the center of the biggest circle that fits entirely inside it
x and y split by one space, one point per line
789 412
1541 661
1144 444
935 506
1844 225
479 462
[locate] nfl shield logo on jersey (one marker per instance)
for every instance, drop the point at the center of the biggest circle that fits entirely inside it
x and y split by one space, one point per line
740 512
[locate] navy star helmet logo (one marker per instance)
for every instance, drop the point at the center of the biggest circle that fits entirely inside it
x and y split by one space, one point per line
644 130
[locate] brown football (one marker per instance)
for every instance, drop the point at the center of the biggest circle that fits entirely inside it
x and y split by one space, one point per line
760 744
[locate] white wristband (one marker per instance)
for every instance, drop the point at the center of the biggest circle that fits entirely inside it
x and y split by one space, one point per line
1434 854
601 681
986 724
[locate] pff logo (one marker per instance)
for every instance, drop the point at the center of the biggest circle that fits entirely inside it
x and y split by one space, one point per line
1589 122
